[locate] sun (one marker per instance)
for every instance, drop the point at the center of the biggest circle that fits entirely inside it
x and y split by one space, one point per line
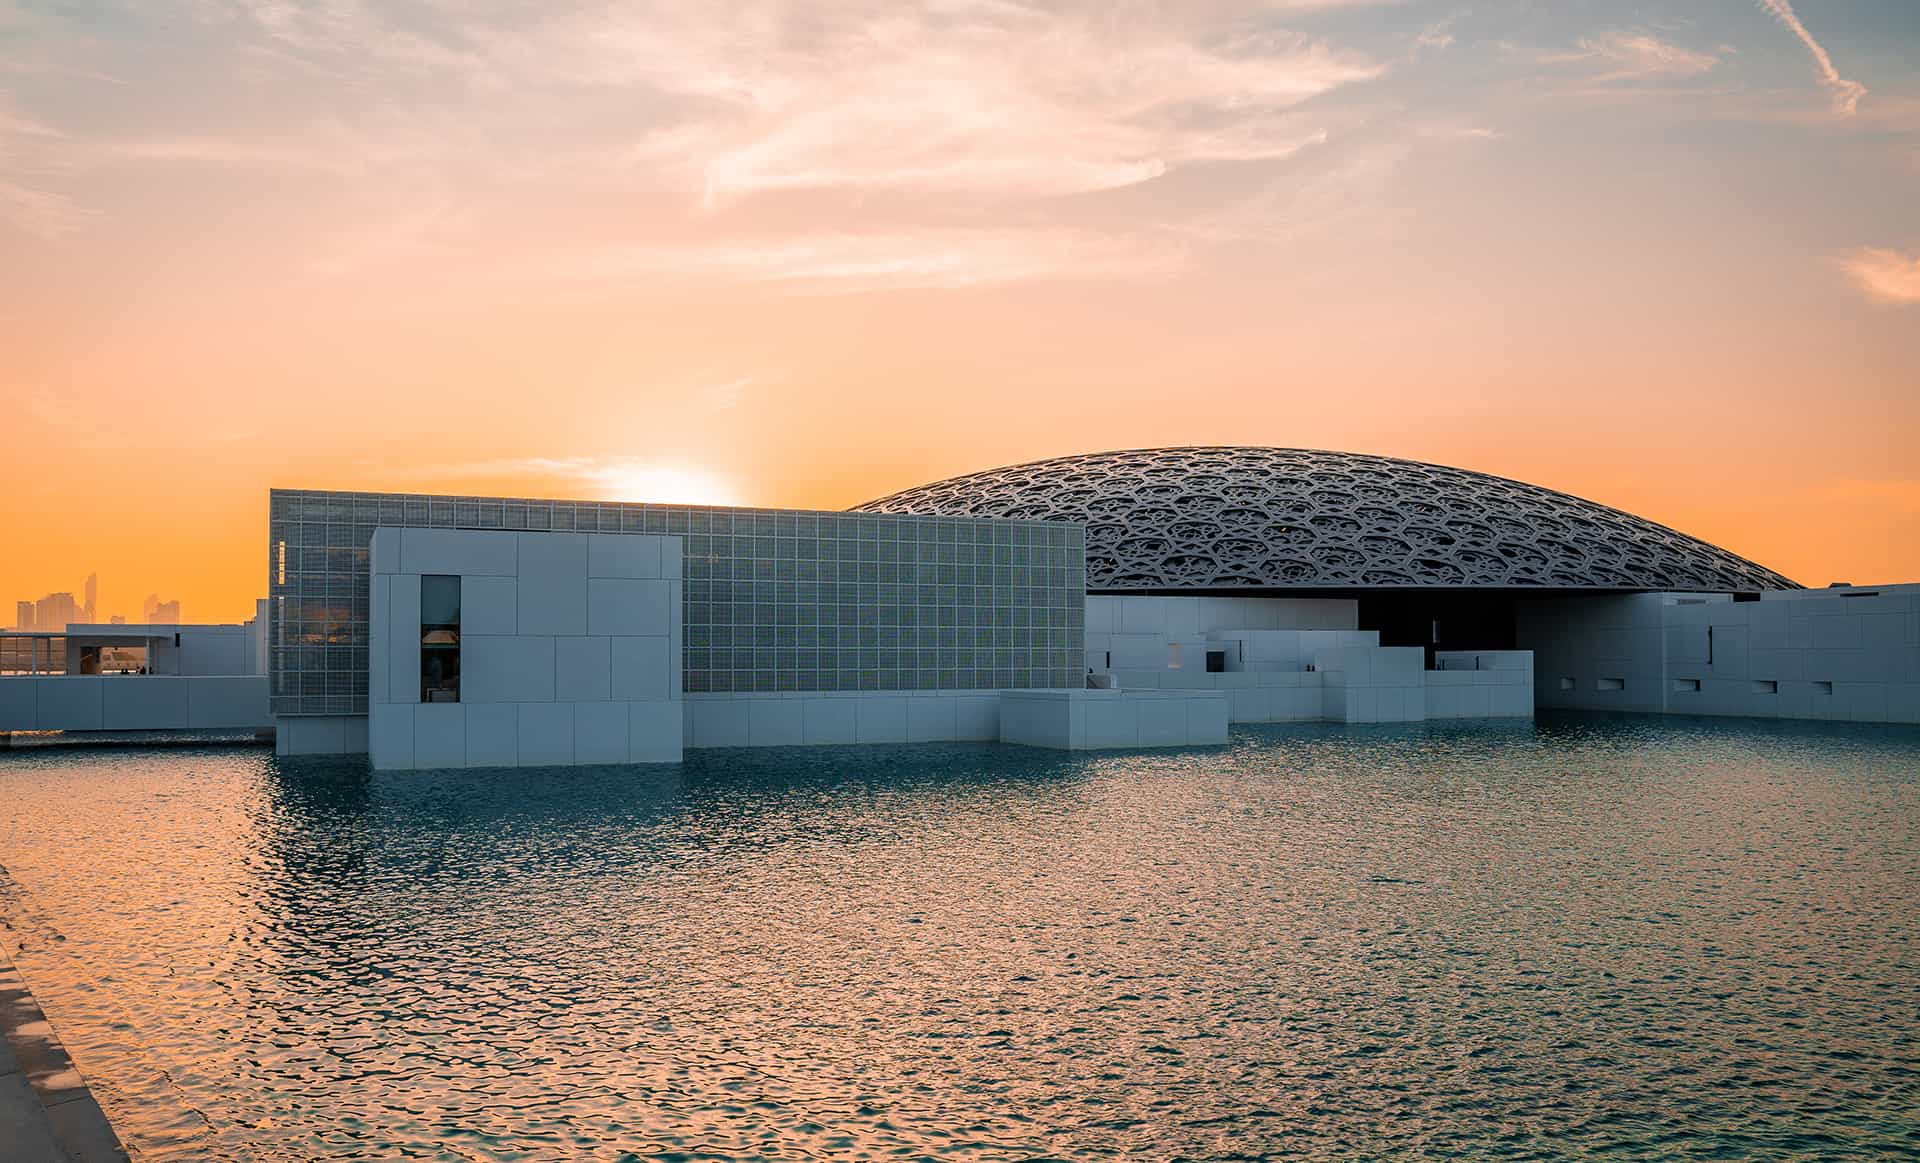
667 485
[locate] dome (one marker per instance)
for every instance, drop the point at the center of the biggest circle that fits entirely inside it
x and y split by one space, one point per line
1214 518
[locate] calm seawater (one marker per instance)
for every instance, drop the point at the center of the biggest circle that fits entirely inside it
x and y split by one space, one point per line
1621 938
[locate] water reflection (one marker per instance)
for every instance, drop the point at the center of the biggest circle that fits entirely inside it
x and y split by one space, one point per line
1639 937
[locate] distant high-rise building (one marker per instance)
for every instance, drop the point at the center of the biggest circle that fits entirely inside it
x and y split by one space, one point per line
23 615
118 620
159 613
55 612
92 592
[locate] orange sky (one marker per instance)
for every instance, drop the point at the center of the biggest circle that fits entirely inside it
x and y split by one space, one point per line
807 254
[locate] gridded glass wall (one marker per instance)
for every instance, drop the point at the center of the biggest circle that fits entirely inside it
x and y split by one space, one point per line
776 599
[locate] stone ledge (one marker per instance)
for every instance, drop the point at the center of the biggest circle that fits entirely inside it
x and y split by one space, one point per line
47 1113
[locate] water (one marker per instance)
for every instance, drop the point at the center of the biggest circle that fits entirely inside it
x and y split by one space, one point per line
1612 938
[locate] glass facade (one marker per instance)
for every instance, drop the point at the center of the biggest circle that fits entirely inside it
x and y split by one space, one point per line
775 599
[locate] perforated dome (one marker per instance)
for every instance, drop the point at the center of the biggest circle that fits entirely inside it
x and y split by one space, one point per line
1230 518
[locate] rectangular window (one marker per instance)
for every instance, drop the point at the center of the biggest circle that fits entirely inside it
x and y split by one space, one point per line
1609 684
1822 688
1686 684
439 638
1766 686
1566 683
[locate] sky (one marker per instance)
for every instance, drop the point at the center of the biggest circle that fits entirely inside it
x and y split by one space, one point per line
1665 256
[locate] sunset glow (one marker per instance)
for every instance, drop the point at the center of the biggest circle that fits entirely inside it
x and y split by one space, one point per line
810 254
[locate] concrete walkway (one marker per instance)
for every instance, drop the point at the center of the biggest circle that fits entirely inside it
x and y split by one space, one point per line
47 1114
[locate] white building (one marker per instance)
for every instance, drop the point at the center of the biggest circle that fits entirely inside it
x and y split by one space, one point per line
1141 598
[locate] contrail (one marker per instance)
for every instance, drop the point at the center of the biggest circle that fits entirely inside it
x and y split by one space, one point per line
1846 94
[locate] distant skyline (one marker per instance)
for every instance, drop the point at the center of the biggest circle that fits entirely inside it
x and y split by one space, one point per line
56 609
1661 255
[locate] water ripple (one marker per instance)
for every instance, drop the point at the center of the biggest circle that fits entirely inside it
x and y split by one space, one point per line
1621 938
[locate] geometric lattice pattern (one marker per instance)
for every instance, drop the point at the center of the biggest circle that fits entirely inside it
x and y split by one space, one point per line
1211 518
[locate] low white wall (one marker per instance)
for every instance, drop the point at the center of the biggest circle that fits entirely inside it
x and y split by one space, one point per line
1848 654
1094 719
134 703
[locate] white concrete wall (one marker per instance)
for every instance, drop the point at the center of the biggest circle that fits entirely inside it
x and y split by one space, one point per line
569 650
1372 684
1480 684
1844 654
126 702
1341 675
1136 629
295 735
1093 719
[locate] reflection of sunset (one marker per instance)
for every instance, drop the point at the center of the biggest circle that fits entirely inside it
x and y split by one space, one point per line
808 262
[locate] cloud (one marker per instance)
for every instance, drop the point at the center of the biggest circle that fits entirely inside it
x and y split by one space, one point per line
26 202
986 99
1846 94
1885 275
845 263
1633 56
933 106
973 97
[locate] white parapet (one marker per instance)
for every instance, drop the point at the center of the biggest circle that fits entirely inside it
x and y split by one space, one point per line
147 702
1084 720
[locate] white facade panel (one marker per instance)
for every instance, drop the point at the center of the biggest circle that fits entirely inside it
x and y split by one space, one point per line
507 670
489 605
630 607
655 730
553 583
440 735
618 556
600 732
461 551
546 734
643 668
581 671
390 736
400 646
493 734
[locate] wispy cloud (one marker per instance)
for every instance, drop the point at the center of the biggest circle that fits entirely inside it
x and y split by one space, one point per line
27 202
1433 38
1886 275
1846 94
1633 56
846 263
988 99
